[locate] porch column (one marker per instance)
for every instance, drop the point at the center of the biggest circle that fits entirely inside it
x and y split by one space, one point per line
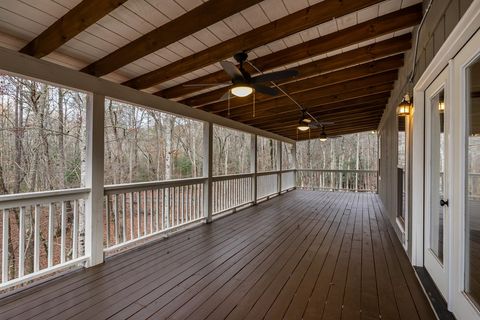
279 148
207 169
253 166
94 179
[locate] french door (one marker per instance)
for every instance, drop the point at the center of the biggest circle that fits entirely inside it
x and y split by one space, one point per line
437 117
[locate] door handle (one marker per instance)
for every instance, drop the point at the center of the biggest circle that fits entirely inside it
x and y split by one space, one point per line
444 202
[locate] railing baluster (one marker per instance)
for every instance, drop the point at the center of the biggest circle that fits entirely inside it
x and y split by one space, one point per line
5 240
131 215
36 240
115 217
21 243
138 213
151 211
107 218
63 233
145 211
157 207
51 217
124 217
75 230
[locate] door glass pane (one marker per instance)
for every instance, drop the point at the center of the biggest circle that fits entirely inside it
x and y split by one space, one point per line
437 173
472 179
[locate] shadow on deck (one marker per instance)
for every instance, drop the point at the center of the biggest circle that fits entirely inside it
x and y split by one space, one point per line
310 255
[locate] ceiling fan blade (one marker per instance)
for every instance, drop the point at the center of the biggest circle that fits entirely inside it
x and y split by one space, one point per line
321 124
265 90
275 76
205 84
231 70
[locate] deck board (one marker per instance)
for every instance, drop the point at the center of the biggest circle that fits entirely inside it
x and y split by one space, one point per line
303 255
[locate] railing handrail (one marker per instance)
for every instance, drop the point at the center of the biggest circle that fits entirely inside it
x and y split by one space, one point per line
339 170
232 176
267 173
39 197
136 186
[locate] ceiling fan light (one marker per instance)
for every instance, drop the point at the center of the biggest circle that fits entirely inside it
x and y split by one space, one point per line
323 139
241 90
303 127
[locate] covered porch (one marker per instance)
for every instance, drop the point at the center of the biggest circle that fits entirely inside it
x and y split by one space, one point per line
300 255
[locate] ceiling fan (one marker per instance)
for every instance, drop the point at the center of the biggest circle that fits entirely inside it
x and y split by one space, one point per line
243 84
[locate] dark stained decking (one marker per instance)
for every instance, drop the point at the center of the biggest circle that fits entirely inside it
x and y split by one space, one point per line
303 255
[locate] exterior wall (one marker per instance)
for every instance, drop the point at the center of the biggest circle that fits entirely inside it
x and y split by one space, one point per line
440 21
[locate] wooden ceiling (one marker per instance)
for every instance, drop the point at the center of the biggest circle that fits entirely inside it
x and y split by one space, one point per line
347 52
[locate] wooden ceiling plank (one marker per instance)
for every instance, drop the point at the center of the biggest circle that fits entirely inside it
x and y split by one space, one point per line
351 73
192 21
278 29
71 24
304 97
361 55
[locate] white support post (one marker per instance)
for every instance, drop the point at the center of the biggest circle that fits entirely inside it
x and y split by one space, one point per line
94 179
207 169
253 166
279 160
294 155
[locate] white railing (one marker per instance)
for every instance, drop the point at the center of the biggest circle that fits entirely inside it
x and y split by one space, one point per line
474 186
288 179
337 180
139 210
41 232
267 184
231 191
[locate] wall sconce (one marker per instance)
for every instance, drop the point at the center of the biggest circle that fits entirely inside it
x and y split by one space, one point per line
441 106
405 107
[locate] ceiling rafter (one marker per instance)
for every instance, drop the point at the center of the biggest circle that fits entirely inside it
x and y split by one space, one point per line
67 27
363 54
302 97
274 110
278 29
325 110
192 21
355 72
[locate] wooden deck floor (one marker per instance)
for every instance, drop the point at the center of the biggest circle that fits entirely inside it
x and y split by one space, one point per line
304 255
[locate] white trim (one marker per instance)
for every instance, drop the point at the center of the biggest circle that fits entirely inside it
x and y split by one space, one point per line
21 64
467 27
43 272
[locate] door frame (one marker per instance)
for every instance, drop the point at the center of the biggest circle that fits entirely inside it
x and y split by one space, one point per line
439 270
461 34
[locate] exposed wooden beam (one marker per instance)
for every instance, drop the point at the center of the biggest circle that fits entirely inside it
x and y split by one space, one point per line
377 106
355 72
283 27
354 116
334 98
305 97
361 55
343 128
315 134
72 23
192 21
353 102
